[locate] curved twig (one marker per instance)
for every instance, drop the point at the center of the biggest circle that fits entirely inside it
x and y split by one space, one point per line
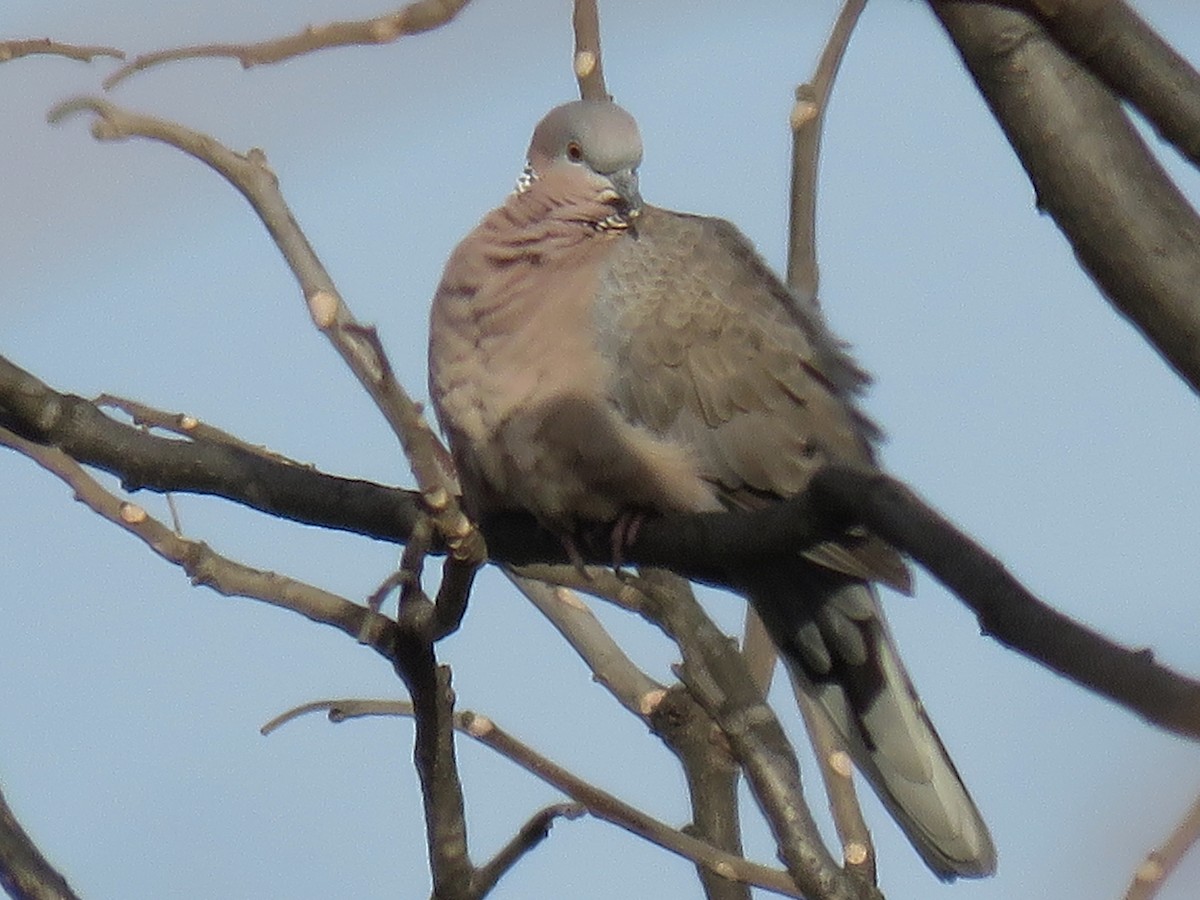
358 345
598 802
807 121
414 18
15 49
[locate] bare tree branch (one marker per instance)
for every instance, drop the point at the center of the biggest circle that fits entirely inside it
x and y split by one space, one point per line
703 547
1007 611
202 564
578 625
423 15
187 426
1154 871
716 676
588 63
1111 40
24 873
808 121
358 346
282 488
803 273
532 833
599 803
1130 227
10 50
673 715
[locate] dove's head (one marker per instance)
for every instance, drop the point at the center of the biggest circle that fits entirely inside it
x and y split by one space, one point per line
595 140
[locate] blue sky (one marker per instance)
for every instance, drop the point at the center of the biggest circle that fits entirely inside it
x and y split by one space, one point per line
1015 399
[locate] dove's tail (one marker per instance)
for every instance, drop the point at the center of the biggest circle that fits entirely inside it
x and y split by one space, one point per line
839 650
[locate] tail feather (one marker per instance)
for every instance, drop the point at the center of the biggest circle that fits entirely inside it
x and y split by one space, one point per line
831 634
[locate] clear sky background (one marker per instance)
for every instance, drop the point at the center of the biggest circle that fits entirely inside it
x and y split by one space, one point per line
1015 399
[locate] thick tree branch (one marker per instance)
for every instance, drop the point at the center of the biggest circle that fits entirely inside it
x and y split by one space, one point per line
1112 41
1130 227
1007 610
704 547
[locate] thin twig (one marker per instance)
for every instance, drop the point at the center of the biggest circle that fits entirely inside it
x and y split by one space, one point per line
528 836
837 774
25 874
578 625
358 345
1154 871
715 673
673 715
803 273
10 50
414 18
807 121
587 62
598 802
188 426
203 565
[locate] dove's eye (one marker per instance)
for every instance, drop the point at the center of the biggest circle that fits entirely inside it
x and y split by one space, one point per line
574 151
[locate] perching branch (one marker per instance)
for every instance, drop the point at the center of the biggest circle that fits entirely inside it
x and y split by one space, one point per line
205 566
143 461
1008 611
702 546
423 15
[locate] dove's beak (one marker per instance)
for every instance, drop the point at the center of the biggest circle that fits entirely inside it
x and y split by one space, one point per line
625 184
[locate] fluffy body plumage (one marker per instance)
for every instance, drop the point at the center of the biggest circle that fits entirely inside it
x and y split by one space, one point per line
592 356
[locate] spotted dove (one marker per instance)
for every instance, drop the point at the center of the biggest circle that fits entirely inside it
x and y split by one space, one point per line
594 358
